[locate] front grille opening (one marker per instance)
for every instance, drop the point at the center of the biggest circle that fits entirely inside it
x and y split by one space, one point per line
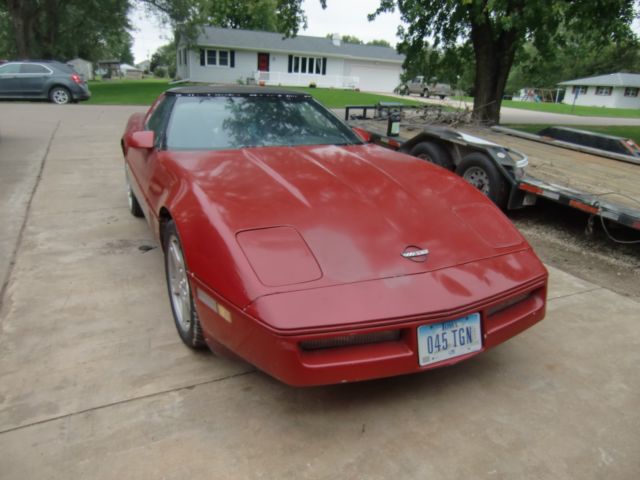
350 340
509 303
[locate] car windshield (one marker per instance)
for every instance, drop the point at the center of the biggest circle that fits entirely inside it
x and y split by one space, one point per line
224 122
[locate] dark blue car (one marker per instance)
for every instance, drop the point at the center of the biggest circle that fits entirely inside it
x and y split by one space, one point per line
42 79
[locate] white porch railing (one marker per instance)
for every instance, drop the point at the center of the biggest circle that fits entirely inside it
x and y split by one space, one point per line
304 79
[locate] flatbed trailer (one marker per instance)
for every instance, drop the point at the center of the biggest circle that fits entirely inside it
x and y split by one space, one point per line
600 184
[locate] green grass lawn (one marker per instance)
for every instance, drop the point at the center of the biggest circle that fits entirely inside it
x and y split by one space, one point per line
567 109
126 92
619 131
577 110
144 92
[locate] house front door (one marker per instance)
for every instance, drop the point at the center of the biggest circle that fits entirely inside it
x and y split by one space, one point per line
263 62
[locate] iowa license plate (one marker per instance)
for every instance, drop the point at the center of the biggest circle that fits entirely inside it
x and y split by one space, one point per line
445 340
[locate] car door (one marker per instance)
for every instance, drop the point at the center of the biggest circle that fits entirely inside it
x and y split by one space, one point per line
143 162
9 79
32 80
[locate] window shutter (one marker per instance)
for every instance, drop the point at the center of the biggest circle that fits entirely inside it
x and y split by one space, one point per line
324 66
202 57
232 58
290 63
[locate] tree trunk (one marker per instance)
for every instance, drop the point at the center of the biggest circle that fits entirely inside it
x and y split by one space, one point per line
49 34
494 57
19 20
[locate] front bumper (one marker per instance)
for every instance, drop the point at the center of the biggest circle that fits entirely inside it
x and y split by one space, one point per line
280 353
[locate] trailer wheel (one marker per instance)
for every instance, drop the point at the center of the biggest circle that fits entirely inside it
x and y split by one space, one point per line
480 172
434 153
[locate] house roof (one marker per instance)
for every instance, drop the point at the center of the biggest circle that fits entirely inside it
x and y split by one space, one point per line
125 67
610 80
270 41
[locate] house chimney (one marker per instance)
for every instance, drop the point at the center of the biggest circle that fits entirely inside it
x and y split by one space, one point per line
335 39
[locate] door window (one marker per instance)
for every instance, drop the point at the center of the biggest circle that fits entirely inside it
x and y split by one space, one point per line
10 68
34 68
158 119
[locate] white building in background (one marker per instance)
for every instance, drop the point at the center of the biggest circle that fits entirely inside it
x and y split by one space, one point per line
83 67
616 90
223 55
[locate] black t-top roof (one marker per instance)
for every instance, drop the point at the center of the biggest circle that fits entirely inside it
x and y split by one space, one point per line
240 90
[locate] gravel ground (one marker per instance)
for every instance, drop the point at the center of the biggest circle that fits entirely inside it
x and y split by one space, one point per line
560 237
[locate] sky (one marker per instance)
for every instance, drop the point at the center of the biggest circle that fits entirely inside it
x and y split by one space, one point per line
341 16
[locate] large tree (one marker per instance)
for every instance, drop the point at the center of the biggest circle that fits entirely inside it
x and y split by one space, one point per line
496 30
66 28
187 16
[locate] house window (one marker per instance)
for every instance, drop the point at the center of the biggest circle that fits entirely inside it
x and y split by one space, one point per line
631 92
603 90
579 89
221 58
308 65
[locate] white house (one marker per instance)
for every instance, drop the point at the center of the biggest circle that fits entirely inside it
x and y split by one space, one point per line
223 55
615 90
130 72
143 65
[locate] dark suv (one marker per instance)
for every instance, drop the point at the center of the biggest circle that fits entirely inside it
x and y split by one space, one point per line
42 79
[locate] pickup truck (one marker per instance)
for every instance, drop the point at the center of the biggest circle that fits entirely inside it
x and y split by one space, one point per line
418 85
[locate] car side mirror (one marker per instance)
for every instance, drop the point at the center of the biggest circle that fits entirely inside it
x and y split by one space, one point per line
362 134
142 139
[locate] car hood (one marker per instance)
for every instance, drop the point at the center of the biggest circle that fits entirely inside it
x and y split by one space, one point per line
313 216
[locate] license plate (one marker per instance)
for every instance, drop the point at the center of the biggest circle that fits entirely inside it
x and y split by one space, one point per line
445 340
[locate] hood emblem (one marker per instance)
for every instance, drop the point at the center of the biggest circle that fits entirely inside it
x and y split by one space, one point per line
415 254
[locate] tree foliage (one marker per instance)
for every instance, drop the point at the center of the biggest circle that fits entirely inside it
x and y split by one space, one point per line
98 29
63 29
580 56
186 16
497 29
454 65
379 43
165 58
352 39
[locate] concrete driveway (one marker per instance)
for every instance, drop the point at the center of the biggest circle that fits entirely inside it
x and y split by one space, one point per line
94 382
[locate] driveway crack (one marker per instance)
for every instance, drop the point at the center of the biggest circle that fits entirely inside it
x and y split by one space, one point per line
133 399
21 233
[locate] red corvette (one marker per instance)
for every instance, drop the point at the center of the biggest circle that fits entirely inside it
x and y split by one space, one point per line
295 245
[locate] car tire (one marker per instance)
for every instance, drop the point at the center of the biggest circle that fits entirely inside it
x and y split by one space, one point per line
434 153
60 96
480 172
425 93
184 312
442 97
134 205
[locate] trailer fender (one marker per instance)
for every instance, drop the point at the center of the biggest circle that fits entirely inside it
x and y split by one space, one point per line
433 152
